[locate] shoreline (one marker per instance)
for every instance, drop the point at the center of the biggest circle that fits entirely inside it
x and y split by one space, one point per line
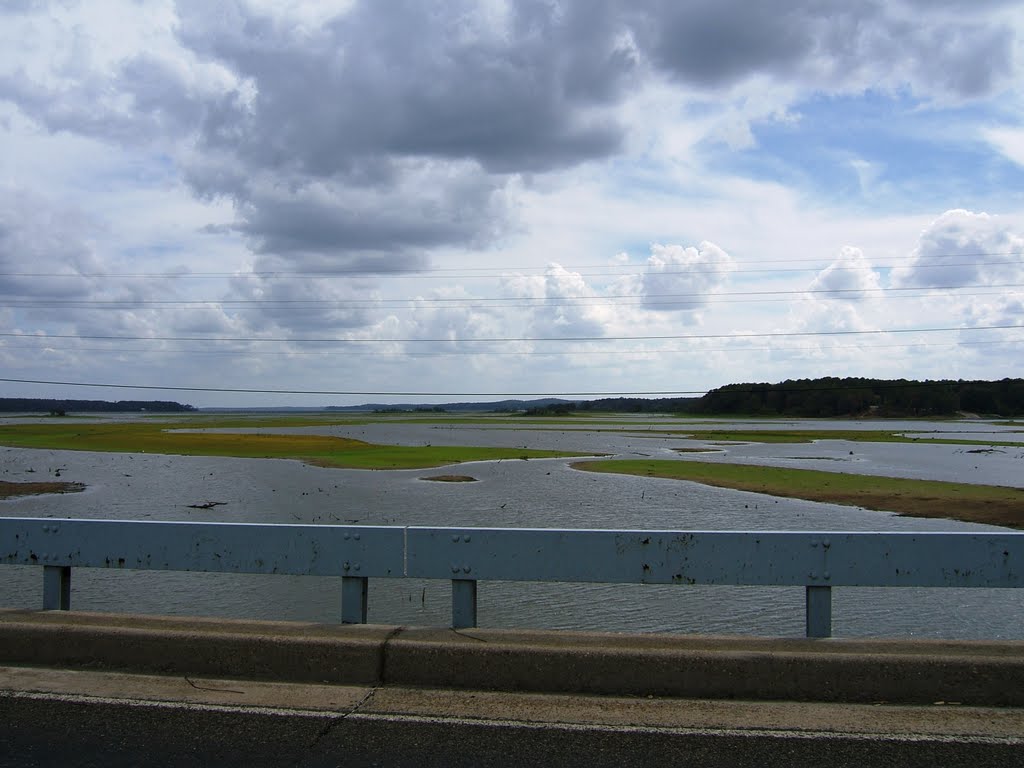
9 490
985 504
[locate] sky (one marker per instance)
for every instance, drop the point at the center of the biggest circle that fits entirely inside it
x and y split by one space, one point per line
315 203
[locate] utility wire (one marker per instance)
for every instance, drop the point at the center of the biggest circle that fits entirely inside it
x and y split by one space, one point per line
743 388
121 350
592 300
346 392
502 340
451 273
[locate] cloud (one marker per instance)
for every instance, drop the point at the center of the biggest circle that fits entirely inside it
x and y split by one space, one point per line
449 80
39 236
371 152
392 128
964 248
709 44
850 276
716 43
1008 141
413 98
425 206
562 303
301 305
682 279
386 128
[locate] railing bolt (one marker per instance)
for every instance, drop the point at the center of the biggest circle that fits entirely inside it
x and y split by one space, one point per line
455 568
346 566
466 539
827 575
466 569
455 539
346 537
356 537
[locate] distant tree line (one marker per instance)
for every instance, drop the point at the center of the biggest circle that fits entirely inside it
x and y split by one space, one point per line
866 397
614 405
821 398
61 407
640 405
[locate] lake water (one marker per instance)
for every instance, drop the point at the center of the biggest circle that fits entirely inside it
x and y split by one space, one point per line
536 493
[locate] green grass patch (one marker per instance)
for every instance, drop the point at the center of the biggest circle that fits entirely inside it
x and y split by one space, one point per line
321 450
810 435
994 505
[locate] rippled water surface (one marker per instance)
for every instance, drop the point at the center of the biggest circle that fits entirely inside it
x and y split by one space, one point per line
535 493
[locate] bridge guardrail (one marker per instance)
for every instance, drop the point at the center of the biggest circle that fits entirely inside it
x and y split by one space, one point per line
817 561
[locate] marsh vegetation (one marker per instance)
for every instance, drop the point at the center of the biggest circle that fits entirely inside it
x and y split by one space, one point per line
991 505
282 437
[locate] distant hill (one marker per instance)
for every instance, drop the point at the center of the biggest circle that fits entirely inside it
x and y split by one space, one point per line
495 406
40 405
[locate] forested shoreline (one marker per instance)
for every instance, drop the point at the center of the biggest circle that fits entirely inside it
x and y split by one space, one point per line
60 407
829 396
809 398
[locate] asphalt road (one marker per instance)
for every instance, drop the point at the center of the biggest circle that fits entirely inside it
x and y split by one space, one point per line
56 731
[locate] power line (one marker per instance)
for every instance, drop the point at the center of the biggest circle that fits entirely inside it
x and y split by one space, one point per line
344 392
746 388
120 350
502 340
450 273
515 302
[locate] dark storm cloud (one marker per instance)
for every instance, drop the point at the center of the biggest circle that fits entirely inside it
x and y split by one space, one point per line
418 79
297 224
394 126
825 44
716 43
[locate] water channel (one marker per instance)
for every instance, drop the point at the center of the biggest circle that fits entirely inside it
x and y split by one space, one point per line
534 493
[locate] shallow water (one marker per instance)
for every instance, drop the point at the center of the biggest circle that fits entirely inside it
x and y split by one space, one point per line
517 493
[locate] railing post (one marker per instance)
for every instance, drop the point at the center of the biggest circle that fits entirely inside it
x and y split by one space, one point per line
353 599
819 611
56 587
463 603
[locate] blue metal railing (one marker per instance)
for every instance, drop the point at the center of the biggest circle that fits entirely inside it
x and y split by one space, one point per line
816 561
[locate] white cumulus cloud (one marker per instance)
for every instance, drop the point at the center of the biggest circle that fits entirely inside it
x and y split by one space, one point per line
850 276
962 248
682 278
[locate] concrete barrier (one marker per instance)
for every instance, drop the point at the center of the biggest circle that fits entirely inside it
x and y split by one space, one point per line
981 673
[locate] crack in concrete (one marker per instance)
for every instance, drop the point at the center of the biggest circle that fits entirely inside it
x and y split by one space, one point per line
210 688
334 722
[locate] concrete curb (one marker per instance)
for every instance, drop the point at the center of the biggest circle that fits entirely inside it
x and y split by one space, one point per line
854 671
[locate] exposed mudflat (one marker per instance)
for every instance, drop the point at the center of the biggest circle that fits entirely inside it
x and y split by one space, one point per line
9 490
